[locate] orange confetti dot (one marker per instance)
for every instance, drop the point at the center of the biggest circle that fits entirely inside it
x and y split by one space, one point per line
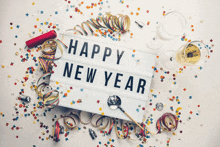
81 13
133 50
138 8
192 29
65 94
157 56
191 112
152 67
137 13
131 33
154 109
91 6
82 2
35 26
95 4
156 71
191 25
50 24
91 13
132 13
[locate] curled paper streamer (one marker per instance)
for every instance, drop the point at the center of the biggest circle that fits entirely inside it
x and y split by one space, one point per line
167 122
49 49
71 121
45 92
49 96
114 23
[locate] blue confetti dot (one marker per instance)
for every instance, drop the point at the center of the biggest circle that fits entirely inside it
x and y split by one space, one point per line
26 14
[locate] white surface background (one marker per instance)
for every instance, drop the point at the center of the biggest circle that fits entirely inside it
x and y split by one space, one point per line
201 130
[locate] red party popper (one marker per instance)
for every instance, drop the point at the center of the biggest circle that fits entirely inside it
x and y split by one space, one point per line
40 39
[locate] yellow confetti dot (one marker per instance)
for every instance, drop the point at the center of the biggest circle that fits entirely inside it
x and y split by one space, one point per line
68 91
71 103
100 109
9 76
110 139
11 27
180 71
102 113
47 138
185 39
151 90
34 122
1 113
24 84
37 19
33 3
3 66
57 83
39 30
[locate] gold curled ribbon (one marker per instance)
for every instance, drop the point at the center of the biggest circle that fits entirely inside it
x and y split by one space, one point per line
46 93
47 57
114 23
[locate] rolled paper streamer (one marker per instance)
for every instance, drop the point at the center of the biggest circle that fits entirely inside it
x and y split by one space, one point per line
56 131
40 39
